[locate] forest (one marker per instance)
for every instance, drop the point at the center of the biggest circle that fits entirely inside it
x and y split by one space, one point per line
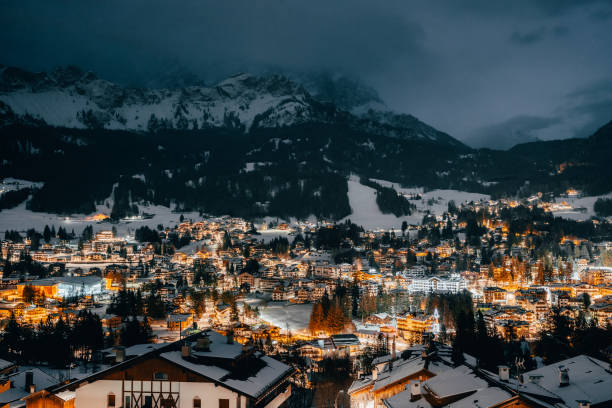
294 171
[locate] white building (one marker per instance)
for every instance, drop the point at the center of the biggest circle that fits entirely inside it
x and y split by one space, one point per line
71 286
453 284
209 370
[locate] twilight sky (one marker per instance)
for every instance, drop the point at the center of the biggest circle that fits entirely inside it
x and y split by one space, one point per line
485 71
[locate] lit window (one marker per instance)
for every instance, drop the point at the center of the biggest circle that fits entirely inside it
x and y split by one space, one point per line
110 400
197 403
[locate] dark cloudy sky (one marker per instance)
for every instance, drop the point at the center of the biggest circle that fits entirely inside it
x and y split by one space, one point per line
479 70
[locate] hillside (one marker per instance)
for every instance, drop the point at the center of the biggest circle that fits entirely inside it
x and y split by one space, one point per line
251 146
70 97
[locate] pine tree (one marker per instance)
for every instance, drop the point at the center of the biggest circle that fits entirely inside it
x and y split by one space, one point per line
47 234
335 319
326 304
316 319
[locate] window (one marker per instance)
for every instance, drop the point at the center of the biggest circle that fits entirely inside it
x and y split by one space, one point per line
223 403
167 403
160 376
128 402
110 400
197 403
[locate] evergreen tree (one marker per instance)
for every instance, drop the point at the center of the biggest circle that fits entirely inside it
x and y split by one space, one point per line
315 323
335 319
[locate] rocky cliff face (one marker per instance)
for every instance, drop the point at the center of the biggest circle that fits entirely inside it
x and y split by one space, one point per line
70 97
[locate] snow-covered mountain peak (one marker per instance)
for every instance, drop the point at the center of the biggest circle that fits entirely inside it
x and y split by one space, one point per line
72 97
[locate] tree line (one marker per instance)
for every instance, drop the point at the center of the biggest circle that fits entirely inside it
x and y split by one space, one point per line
327 316
54 343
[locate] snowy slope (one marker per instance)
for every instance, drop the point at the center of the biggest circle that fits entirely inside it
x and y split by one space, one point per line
21 219
365 211
586 203
72 98
283 315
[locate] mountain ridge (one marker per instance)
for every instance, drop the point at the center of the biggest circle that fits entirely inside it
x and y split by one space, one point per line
72 97
290 156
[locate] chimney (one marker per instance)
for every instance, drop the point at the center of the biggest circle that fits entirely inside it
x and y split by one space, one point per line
374 373
203 343
535 379
186 350
415 390
29 381
119 354
504 373
230 337
563 376
393 353
584 404
424 354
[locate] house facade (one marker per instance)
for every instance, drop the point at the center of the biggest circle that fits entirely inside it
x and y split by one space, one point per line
205 370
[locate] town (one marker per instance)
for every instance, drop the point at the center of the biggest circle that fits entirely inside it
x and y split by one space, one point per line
500 293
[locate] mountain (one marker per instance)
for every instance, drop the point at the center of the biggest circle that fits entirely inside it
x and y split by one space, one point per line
579 162
251 146
347 93
70 97
511 132
369 110
73 98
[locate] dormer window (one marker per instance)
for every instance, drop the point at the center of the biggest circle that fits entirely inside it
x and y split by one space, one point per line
160 376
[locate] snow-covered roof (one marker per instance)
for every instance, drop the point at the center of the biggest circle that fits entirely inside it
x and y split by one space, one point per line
483 398
253 386
5 364
40 379
455 381
403 400
219 348
451 383
66 395
137 349
589 380
405 368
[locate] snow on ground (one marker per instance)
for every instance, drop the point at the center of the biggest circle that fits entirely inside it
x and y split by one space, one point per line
284 314
581 202
22 219
191 248
10 184
268 235
440 197
55 107
366 213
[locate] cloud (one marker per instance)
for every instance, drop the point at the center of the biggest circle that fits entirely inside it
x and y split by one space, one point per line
560 30
129 40
591 106
449 63
504 135
529 37
581 112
